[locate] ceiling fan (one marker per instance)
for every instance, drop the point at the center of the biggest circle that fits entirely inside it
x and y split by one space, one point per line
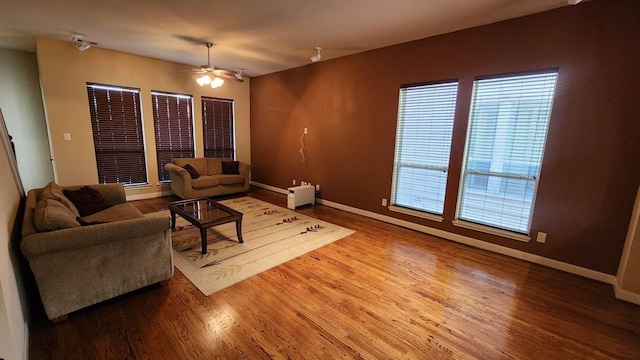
214 76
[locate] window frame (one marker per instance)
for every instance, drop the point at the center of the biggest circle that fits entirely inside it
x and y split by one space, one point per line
191 153
205 143
139 128
429 111
492 228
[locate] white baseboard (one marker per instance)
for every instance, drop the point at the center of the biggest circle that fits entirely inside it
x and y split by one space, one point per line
25 351
270 188
626 295
152 195
536 259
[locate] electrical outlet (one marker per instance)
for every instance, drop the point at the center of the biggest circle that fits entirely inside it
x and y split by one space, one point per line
542 237
317 187
384 202
294 181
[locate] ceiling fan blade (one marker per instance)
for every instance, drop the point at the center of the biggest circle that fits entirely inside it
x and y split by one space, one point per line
228 74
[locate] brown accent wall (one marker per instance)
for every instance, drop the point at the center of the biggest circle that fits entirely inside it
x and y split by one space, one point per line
590 170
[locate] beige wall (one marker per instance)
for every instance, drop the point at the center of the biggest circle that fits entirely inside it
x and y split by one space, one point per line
13 301
21 104
64 73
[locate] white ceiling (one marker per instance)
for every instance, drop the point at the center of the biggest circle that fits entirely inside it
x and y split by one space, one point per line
258 36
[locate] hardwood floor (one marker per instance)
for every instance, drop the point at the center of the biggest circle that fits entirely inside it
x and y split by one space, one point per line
383 292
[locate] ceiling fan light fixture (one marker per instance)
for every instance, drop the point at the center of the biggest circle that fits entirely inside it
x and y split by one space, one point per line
204 80
216 82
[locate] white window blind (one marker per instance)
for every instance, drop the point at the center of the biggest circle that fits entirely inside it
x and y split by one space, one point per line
505 142
423 145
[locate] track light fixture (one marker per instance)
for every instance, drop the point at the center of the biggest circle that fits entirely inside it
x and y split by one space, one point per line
318 56
80 43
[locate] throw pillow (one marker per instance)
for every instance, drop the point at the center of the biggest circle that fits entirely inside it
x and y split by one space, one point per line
231 167
54 191
194 174
87 200
50 215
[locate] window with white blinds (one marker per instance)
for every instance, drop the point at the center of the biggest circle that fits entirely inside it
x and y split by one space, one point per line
423 145
173 125
505 142
116 121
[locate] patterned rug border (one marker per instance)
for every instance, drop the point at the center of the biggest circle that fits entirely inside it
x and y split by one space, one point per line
272 236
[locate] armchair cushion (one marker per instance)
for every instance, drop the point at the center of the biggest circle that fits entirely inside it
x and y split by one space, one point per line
231 179
54 191
205 182
118 212
52 215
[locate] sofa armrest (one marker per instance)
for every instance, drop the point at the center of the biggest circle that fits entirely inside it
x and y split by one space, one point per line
81 237
180 180
244 169
178 172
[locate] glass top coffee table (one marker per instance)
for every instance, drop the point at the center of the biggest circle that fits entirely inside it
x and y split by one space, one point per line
205 213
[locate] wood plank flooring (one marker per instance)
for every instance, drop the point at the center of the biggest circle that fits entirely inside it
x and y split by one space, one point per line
384 292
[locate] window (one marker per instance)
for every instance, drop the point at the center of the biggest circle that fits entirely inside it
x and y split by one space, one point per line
505 141
423 145
116 120
173 124
217 124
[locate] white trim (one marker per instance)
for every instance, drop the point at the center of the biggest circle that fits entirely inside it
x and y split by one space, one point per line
270 188
536 259
626 295
490 230
25 350
152 195
416 213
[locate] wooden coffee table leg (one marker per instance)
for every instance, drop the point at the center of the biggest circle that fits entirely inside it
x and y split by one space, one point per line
239 230
173 219
203 235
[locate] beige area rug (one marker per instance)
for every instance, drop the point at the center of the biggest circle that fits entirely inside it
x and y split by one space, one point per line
272 235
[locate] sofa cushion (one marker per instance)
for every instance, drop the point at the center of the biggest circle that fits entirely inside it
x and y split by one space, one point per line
231 179
205 181
200 164
192 172
231 167
87 200
52 215
117 212
54 191
214 165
